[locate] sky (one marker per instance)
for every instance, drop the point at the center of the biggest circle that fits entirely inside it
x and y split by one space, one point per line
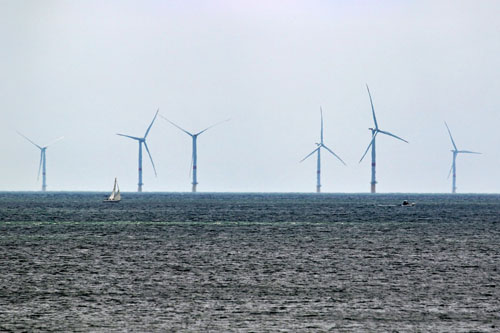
87 70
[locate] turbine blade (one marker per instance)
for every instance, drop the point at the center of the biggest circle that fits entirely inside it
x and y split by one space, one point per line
334 154
394 136
449 173
147 131
131 137
321 112
182 129
150 157
206 129
315 150
50 144
449 132
40 165
28 139
373 109
371 142
467 152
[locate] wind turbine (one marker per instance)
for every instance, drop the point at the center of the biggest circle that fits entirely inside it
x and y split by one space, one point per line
455 152
42 165
318 151
141 142
194 160
375 131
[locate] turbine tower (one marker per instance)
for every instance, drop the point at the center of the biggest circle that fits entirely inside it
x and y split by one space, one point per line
455 152
141 142
375 131
42 165
194 160
318 151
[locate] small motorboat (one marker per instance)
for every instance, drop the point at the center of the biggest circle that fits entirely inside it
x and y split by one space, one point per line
406 203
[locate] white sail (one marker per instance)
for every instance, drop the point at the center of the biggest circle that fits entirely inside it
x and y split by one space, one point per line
115 195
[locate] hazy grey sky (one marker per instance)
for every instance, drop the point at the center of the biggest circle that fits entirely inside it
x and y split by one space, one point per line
89 69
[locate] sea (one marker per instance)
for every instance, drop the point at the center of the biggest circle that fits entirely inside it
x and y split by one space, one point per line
249 262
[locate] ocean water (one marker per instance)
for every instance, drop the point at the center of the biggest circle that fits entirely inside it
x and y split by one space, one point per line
249 262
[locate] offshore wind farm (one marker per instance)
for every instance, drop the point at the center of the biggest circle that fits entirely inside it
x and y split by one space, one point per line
270 222
320 145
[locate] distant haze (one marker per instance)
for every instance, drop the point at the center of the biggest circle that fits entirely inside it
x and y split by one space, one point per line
87 70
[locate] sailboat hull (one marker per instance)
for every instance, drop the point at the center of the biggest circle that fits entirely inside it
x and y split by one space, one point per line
107 200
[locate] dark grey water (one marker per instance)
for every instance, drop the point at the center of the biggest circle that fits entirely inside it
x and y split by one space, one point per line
249 262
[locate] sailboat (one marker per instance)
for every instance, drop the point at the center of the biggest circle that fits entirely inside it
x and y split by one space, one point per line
115 195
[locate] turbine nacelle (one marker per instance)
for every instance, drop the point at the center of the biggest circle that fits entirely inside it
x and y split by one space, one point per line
193 135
